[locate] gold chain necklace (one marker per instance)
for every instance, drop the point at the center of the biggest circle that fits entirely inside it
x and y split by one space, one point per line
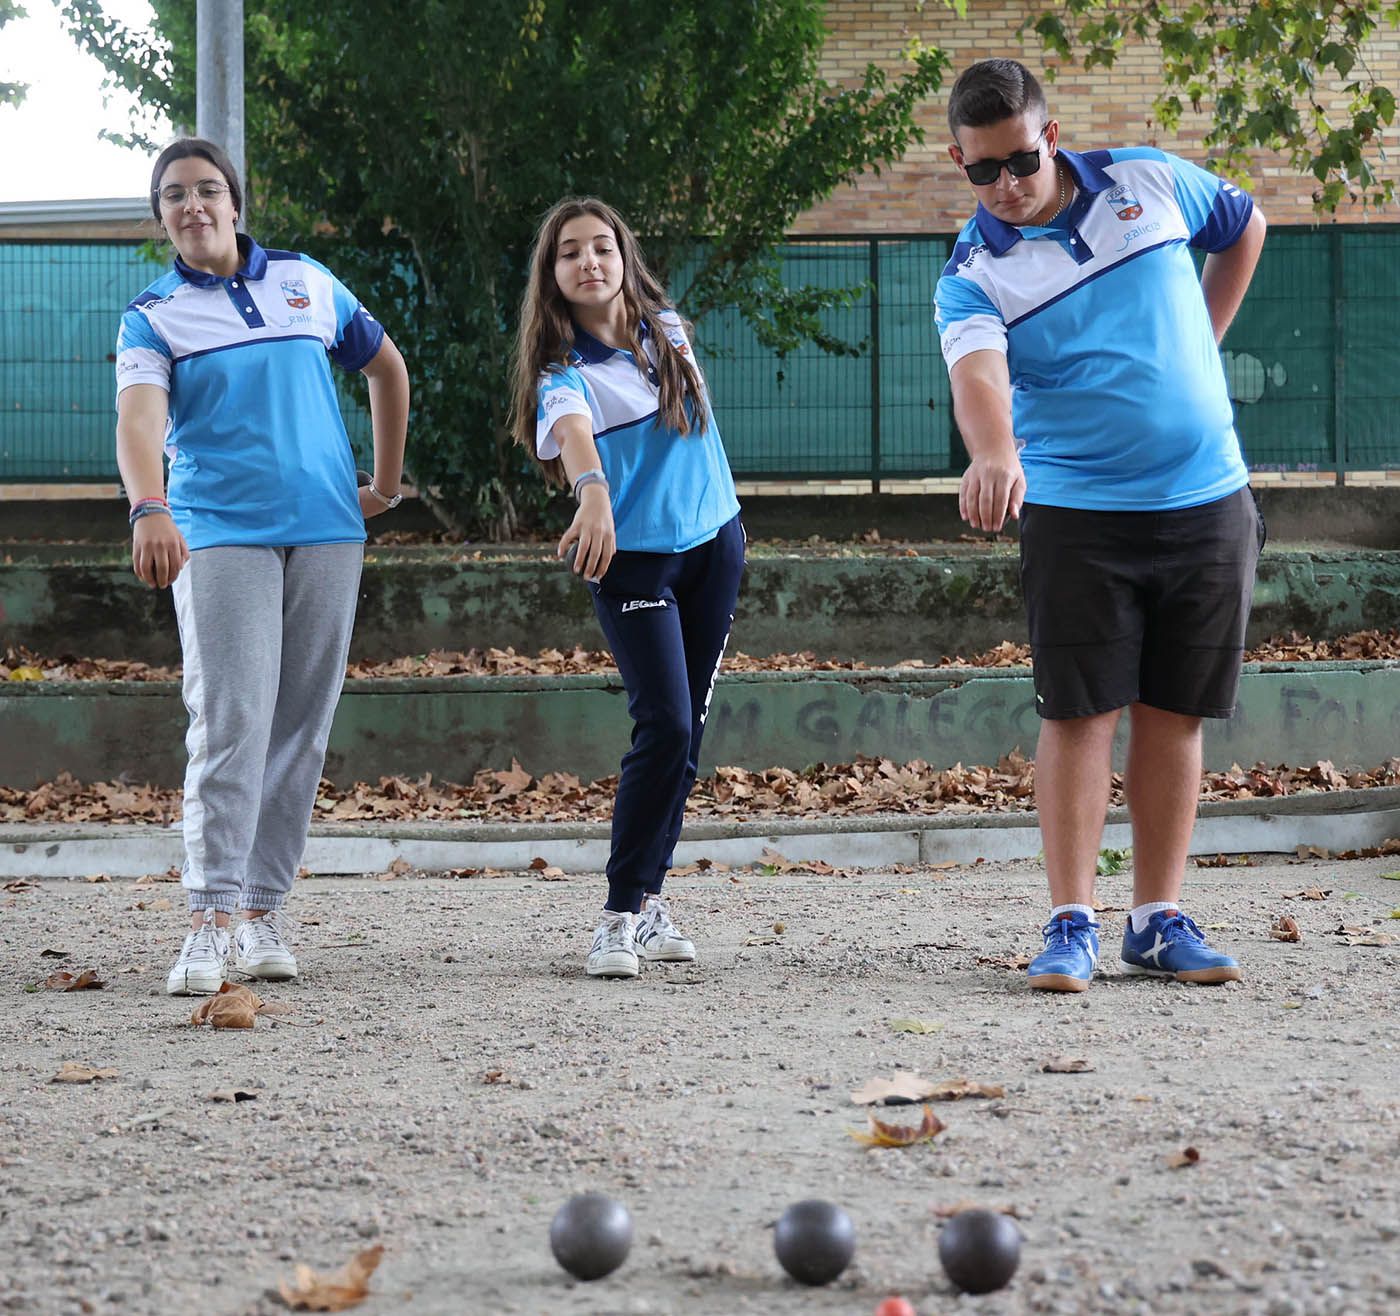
1060 174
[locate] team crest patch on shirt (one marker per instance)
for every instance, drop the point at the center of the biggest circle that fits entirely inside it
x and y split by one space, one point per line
294 290
1125 205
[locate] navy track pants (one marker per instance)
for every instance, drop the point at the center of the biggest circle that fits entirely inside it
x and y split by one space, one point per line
667 618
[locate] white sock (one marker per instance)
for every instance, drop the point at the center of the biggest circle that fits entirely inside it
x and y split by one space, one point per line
1086 910
1141 913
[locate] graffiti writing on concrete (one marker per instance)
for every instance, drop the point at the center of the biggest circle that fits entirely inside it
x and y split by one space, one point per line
1279 719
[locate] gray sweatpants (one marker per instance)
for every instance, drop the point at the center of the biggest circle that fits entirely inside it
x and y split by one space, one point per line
265 634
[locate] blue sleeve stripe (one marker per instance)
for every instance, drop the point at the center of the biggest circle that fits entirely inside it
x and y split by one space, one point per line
959 255
959 299
359 344
1084 283
291 255
1228 218
137 331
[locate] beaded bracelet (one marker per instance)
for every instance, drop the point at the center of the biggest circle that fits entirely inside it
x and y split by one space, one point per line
148 507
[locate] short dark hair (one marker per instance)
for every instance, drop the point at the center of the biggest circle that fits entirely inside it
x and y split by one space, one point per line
181 149
992 90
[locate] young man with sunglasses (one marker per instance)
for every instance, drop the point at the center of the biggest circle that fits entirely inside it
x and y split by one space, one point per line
1087 383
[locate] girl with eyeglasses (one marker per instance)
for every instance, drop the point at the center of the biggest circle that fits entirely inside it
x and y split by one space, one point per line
224 362
610 402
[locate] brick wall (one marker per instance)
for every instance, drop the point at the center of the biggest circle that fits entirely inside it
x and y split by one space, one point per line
1107 107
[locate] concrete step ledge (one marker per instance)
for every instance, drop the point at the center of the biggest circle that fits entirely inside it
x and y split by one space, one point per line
1340 820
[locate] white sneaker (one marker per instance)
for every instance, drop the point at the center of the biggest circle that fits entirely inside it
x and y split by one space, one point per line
614 952
657 937
200 969
260 947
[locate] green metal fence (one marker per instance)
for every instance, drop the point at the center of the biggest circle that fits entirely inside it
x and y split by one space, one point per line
1313 361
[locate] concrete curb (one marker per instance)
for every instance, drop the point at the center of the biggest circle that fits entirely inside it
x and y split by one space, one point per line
1337 820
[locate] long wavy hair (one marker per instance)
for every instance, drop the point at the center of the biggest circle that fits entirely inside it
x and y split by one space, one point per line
547 332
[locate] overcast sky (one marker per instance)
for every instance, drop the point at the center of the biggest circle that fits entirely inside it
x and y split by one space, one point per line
49 145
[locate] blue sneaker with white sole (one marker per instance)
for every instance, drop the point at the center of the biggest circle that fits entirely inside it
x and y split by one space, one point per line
1172 946
1070 955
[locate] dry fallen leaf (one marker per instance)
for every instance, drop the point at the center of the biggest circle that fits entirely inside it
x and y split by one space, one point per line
777 862
1226 861
231 1094
904 1089
170 875
1308 893
399 868
233 1006
882 1134
63 981
1186 1156
155 906
764 939
918 1026
21 884
97 877
1285 928
1367 937
345 1288
73 1072
864 786
1066 1065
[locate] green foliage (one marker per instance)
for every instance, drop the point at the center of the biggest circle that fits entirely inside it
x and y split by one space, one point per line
11 93
415 146
1286 75
1112 862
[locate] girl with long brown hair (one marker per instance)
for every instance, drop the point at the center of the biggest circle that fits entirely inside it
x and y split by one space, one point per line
610 402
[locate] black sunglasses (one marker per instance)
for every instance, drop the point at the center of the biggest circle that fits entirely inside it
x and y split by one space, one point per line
1021 165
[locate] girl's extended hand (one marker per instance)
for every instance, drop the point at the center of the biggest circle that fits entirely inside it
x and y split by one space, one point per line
158 550
592 529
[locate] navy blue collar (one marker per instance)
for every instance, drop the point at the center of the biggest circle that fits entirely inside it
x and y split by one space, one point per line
593 351
1000 237
252 265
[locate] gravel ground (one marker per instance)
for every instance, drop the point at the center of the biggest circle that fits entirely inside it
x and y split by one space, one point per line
707 1097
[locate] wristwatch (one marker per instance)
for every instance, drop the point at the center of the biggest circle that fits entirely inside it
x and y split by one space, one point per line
384 498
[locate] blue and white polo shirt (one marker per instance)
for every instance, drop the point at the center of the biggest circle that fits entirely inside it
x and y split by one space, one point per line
1118 393
670 491
258 450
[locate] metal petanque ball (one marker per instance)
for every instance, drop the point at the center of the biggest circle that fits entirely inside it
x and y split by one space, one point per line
591 1235
815 1241
980 1250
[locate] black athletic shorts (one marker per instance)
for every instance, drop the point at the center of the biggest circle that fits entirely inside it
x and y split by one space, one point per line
1149 607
